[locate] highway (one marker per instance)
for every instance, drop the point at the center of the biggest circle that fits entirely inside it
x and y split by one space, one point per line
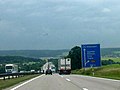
67 82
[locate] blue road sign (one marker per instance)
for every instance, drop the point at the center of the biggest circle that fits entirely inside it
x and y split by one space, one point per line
91 55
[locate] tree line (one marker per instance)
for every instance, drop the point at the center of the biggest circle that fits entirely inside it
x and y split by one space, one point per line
24 63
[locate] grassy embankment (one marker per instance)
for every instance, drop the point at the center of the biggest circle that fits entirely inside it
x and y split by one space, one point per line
108 71
10 82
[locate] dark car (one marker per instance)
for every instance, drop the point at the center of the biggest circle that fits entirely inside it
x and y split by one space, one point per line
48 71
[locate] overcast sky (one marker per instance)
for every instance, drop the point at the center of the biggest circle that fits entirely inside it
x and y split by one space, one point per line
58 24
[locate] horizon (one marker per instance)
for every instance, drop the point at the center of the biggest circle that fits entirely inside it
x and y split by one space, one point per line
53 49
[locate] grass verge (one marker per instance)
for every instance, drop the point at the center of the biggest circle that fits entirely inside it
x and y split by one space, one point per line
10 82
114 59
108 71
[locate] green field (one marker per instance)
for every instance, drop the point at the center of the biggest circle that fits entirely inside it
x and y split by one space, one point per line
114 59
108 71
10 82
117 52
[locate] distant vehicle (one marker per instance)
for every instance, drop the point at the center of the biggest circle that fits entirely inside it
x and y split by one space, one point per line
64 66
38 71
11 68
48 65
23 71
53 69
42 71
33 71
48 71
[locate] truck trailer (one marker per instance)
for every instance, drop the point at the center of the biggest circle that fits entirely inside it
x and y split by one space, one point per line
64 66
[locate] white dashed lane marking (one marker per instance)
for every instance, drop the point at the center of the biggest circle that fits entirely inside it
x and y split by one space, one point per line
85 89
68 79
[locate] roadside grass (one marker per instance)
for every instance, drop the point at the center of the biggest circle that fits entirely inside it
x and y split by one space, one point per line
114 59
10 82
108 71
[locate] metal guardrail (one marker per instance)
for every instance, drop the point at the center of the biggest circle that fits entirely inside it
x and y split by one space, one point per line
15 75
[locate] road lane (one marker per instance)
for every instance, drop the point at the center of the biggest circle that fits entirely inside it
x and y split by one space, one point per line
49 82
69 82
92 83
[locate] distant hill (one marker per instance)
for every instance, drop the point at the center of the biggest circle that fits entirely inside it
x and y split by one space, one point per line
110 52
34 53
105 52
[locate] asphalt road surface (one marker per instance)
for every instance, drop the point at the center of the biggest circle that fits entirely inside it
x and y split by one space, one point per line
67 82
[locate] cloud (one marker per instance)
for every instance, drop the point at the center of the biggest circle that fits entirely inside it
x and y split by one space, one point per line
61 9
65 22
34 14
106 10
64 8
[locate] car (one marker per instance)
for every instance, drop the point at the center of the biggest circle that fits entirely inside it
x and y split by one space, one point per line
48 71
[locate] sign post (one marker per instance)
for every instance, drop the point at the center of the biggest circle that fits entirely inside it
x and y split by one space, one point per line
91 55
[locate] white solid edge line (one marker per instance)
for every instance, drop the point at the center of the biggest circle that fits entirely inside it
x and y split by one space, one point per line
26 82
101 78
68 79
85 89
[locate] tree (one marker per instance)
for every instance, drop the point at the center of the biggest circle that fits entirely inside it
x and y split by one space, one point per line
75 55
2 69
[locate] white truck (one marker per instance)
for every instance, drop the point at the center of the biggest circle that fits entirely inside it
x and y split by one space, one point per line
48 65
64 66
11 68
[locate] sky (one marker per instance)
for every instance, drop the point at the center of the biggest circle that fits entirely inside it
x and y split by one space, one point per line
58 24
